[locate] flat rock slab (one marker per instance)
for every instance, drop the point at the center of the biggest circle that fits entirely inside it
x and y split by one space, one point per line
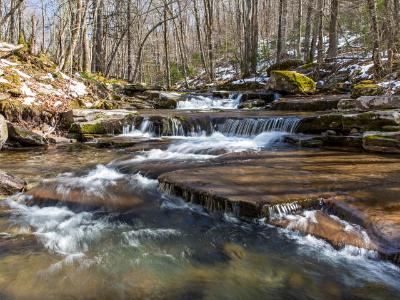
262 184
310 103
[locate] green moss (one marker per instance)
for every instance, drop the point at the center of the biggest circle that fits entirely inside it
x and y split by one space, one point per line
88 128
285 65
104 104
76 103
96 77
13 78
366 88
303 83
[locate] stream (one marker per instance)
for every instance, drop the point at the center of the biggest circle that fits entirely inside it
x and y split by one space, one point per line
115 235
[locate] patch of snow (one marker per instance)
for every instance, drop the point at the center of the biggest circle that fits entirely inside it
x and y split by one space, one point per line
47 89
29 100
7 63
88 104
78 89
259 79
57 104
3 80
22 74
48 76
65 76
27 91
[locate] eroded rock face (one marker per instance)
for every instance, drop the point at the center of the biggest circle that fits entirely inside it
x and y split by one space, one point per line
345 122
10 185
3 131
314 103
365 103
290 82
386 142
24 137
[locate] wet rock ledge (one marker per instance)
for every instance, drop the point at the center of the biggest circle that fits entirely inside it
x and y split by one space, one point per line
272 185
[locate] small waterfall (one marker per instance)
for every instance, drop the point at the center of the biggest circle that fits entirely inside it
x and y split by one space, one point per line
281 210
204 102
175 126
146 128
251 127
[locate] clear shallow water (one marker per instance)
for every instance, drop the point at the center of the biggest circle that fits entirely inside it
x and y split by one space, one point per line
160 247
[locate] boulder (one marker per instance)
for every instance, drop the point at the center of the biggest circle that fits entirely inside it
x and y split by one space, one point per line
251 104
366 88
371 103
290 82
288 64
385 142
132 89
313 103
10 185
3 131
346 123
24 137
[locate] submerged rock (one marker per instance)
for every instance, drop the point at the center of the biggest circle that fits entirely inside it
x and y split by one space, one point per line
10 185
3 131
326 227
290 82
24 137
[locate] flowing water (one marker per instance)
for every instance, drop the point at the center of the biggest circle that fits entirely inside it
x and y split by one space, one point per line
199 102
143 244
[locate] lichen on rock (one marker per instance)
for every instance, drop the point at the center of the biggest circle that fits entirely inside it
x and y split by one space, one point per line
290 82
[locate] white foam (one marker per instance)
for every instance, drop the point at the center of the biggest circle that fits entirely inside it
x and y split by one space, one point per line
202 102
95 182
59 229
144 182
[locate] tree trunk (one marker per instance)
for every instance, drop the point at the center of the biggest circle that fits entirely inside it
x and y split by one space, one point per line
376 55
298 28
199 39
282 30
167 65
307 36
333 25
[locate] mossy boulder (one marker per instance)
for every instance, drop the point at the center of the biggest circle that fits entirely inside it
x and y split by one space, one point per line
23 137
285 65
385 142
366 88
3 131
290 82
166 104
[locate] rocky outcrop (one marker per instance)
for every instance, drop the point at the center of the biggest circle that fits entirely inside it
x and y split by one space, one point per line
3 131
313 103
345 122
96 122
366 103
10 185
290 82
20 136
385 142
